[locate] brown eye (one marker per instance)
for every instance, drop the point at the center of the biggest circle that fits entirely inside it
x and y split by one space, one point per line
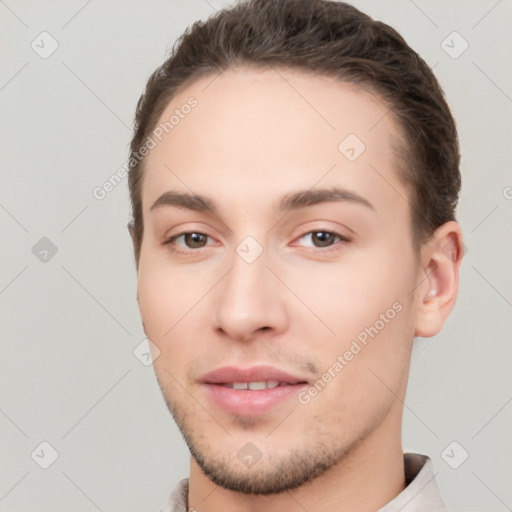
195 240
324 238
321 239
187 242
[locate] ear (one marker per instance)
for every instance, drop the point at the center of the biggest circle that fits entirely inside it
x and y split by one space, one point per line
131 230
435 297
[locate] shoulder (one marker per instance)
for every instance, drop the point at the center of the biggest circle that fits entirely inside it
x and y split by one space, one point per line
177 500
422 493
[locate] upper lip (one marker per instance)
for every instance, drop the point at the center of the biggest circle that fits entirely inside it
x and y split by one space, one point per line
229 374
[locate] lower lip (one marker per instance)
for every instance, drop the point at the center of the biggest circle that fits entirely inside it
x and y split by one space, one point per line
248 402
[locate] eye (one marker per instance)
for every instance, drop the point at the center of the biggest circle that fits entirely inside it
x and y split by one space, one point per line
191 239
194 240
320 238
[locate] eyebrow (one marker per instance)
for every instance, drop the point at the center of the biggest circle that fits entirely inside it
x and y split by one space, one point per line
292 201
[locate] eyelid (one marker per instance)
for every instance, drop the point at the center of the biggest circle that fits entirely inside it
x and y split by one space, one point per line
187 228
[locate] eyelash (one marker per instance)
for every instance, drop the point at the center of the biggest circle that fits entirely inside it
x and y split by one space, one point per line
330 248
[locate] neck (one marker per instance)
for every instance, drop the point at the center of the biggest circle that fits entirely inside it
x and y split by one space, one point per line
366 479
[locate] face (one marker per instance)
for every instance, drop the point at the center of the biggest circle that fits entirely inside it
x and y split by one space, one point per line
280 301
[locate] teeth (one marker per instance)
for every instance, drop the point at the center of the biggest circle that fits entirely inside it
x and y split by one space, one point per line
270 384
257 385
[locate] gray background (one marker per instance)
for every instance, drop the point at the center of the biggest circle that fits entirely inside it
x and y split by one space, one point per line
70 324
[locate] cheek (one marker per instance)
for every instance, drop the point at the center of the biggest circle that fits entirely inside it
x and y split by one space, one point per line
368 377
155 305
346 297
366 320
163 287
171 302
162 311
162 297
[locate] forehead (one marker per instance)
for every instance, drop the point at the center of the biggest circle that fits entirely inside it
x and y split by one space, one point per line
259 131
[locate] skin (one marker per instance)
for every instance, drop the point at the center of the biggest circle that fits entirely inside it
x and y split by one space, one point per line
252 139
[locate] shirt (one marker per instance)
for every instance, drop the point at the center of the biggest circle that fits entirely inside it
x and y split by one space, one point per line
420 495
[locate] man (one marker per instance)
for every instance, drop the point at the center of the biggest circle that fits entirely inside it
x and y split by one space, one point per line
295 173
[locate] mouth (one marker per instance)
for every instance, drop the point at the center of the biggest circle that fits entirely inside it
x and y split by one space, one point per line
255 386
251 391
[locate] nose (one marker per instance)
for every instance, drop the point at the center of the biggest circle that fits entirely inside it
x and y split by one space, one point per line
249 301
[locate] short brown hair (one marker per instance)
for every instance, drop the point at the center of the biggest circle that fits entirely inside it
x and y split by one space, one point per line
332 39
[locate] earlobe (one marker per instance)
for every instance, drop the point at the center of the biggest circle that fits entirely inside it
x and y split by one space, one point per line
437 292
131 230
